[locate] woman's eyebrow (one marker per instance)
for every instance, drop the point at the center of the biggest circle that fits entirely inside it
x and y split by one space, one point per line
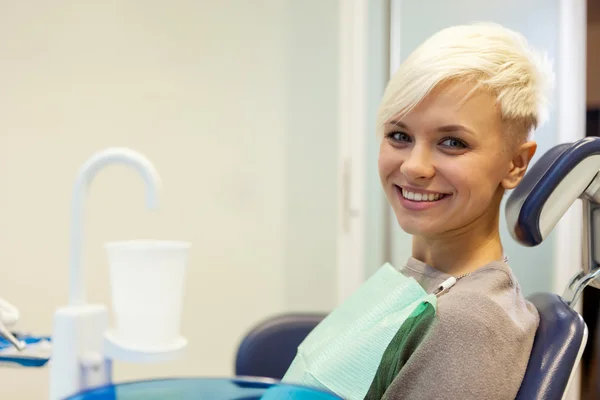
452 128
455 128
397 123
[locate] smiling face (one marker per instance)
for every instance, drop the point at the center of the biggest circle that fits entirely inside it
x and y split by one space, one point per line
445 165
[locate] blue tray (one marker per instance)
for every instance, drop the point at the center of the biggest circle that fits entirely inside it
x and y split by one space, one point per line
203 389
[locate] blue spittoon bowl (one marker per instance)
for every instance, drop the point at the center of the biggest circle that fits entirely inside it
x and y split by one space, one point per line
204 389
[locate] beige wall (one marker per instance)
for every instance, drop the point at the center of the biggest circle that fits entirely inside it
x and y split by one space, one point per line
235 103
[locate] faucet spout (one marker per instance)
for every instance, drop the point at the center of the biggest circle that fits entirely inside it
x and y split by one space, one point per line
85 176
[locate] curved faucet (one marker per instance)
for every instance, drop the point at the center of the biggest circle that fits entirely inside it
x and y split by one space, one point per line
85 176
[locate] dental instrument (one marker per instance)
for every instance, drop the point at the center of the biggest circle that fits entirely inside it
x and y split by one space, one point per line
17 349
9 315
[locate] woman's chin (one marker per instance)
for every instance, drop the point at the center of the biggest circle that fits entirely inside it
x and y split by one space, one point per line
415 228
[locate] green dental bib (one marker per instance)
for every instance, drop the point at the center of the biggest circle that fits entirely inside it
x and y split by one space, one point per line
349 347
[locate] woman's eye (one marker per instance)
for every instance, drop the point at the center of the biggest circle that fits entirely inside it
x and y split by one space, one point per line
399 136
454 143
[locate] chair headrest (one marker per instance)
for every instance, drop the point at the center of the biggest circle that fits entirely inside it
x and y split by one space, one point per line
550 187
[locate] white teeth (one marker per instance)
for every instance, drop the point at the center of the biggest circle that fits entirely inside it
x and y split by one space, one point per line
421 196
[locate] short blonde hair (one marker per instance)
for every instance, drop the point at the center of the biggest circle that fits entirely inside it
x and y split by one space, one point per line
494 58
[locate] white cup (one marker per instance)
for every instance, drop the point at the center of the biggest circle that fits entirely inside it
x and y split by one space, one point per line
147 283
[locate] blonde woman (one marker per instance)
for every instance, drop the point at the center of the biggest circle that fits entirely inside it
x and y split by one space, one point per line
455 125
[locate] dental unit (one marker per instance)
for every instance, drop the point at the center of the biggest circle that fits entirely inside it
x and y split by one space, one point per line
82 347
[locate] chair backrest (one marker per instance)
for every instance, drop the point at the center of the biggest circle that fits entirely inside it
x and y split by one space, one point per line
270 347
557 349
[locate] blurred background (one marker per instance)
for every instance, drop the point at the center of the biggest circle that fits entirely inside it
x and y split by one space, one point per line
259 116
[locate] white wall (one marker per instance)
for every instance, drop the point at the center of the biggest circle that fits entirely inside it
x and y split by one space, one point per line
234 102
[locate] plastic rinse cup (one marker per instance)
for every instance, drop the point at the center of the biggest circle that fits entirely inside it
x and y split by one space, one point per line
147 282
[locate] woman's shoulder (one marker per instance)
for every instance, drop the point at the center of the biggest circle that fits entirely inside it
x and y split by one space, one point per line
489 298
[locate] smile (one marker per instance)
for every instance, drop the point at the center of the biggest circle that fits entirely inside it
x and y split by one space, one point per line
420 196
419 200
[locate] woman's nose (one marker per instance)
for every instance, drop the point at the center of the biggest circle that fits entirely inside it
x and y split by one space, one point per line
418 165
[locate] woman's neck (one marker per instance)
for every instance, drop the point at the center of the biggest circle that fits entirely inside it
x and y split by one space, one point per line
462 251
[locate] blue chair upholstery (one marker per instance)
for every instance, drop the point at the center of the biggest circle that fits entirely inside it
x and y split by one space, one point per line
270 347
567 168
524 205
556 349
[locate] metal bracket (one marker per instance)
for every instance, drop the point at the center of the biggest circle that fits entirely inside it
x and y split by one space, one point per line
591 231
590 274
579 282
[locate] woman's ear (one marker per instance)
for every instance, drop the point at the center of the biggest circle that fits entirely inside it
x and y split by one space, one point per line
519 164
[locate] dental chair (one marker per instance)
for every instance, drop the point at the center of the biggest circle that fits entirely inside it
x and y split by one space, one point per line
564 174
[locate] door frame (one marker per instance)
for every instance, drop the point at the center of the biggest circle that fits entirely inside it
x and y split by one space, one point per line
352 131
